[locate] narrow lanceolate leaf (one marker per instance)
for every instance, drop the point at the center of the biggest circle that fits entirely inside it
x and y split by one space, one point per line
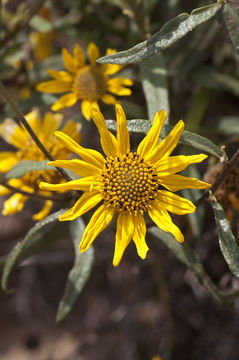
231 20
25 166
19 248
154 79
227 240
79 274
187 138
171 32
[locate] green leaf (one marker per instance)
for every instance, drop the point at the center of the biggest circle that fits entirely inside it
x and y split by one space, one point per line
40 24
19 248
227 240
25 166
231 20
187 138
213 79
154 80
78 275
197 108
171 32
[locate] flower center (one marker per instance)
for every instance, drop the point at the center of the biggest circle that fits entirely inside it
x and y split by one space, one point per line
90 83
129 183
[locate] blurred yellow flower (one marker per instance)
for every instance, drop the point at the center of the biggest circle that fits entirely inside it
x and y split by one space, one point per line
88 83
42 44
128 183
28 150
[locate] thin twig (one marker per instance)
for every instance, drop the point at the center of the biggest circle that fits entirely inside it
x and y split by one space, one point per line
221 177
34 195
33 135
21 24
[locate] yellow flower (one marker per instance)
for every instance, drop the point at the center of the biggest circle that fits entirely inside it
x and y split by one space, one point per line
88 83
28 150
128 183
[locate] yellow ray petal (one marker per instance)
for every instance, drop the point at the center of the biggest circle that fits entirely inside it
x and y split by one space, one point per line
108 99
89 155
173 164
7 160
72 129
54 86
139 236
44 211
122 132
60 75
120 81
110 69
93 53
86 107
100 219
69 62
168 144
51 123
79 167
178 182
66 100
34 120
108 141
83 184
151 140
14 204
162 219
4 191
79 55
86 202
174 203
124 234
13 133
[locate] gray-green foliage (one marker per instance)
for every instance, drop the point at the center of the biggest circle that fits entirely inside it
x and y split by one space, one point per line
170 32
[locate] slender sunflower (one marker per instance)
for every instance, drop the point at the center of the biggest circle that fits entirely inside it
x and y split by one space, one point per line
28 150
88 83
128 183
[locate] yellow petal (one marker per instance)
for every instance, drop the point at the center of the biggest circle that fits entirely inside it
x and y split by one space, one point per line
168 144
93 53
79 55
173 164
34 120
174 203
44 211
162 219
69 62
72 129
86 202
86 107
117 86
122 132
60 75
89 155
79 167
100 219
7 160
13 133
178 182
4 191
51 123
150 141
108 141
124 234
67 100
110 69
54 86
83 184
14 204
108 99
139 236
